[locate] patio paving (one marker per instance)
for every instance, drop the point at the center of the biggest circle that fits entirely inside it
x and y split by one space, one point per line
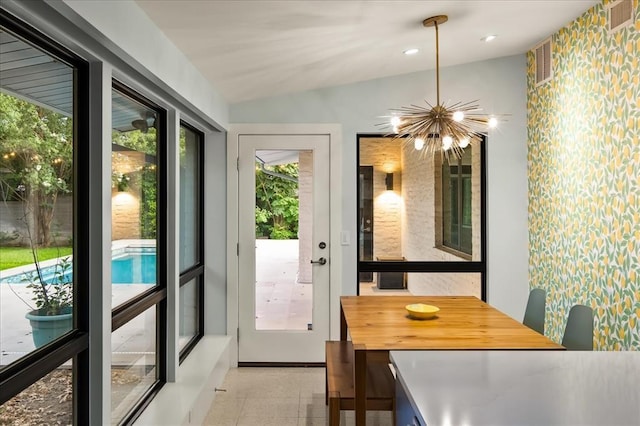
281 304
15 330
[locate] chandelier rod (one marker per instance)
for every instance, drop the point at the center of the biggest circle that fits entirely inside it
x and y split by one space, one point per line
435 24
436 21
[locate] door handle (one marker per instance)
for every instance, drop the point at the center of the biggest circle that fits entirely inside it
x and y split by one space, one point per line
321 261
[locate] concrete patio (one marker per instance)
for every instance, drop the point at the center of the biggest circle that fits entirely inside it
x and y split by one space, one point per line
15 330
282 303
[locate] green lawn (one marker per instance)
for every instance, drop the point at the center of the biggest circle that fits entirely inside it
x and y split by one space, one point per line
10 257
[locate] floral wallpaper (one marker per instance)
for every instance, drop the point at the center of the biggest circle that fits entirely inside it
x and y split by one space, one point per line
584 178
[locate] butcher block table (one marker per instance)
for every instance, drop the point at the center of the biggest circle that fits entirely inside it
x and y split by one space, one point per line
379 324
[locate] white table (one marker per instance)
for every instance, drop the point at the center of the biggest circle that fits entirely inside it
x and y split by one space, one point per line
471 388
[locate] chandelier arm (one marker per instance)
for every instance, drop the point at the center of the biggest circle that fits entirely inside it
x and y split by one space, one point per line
421 127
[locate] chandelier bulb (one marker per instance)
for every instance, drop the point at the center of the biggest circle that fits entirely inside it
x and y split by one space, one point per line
447 141
458 116
493 123
463 143
418 143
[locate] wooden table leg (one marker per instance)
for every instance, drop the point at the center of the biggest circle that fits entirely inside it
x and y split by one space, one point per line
360 384
343 325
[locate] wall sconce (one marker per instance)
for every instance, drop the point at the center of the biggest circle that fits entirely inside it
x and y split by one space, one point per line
389 181
120 181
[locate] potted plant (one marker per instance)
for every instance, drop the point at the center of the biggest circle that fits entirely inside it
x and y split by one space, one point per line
53 298
37 168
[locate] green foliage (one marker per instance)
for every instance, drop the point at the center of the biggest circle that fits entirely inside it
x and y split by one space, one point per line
55 296
137 140
277 203
36 157
143 179
120 181
149 208
8 237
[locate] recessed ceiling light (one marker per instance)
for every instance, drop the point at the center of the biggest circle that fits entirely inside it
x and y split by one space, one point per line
489 38
411 51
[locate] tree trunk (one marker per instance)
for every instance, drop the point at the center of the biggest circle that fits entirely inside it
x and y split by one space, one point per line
45 217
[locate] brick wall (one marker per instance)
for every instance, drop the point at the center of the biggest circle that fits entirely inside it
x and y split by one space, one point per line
305 215
125 217
475 207
384 154
419 224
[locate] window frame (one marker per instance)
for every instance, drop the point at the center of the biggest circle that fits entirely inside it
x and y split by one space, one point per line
21 374
156 296
196 271
458 250
462 266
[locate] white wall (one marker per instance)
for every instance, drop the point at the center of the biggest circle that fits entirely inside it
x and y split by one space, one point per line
500 87
215 232
123 27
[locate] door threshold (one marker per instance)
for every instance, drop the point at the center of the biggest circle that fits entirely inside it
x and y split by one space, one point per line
281 364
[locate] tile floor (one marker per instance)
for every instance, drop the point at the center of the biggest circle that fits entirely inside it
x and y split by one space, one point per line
274 396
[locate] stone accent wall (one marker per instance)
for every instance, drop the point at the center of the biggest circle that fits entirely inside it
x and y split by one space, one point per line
476 196
445 284
305 216
419 225
384 155
125 216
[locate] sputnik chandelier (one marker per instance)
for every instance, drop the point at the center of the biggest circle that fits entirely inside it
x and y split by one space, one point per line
450 128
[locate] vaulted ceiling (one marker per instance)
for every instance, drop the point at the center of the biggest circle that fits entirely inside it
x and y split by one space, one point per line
260 48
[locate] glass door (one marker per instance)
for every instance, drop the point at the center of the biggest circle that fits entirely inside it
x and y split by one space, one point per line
283 248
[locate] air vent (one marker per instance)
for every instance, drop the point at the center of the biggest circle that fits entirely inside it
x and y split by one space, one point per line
543 62
620 14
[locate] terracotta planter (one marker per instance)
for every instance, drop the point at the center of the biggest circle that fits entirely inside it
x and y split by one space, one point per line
46 328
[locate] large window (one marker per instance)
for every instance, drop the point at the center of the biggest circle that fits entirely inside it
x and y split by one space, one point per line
53 253
43 184
191 254
138 266
457 204
420 219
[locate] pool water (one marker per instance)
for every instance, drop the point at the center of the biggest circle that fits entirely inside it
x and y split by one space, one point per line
134 268
131 268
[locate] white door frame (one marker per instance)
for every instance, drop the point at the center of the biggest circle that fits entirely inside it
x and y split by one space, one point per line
335 182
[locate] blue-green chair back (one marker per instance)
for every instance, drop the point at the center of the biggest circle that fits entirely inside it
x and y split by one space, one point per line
578 334
534 312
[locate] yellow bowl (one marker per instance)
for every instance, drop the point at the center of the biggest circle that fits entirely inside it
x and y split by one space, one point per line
422 311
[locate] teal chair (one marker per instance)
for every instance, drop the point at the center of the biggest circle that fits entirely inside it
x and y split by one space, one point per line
578 334
534 312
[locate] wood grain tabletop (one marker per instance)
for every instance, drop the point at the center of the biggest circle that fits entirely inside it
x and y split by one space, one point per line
463 322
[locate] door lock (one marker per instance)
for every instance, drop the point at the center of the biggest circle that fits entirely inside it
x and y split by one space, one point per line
321 261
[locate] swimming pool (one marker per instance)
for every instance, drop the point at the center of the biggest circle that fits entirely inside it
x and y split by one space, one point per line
133 265
138 268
